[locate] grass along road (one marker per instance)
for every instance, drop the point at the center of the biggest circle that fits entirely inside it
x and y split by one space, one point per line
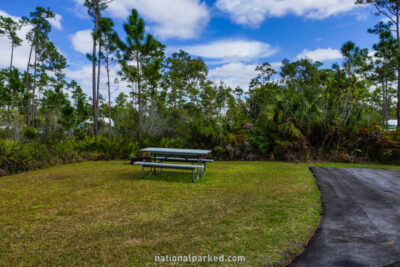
103 213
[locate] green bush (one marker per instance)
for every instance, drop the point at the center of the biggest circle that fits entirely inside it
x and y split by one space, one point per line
219 151
30 133
366 145
14 156
110 149
172 142
66 152
7 133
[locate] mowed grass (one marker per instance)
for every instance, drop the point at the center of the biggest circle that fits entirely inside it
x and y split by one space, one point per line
103 213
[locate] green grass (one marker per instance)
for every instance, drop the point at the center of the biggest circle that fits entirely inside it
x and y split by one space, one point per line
103 213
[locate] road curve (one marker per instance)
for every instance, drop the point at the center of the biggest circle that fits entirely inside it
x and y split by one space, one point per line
360 220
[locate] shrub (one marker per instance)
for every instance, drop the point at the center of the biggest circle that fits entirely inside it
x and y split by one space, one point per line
7 133
30 133
15 156
66 152
96 156
219 151
173 142
368 144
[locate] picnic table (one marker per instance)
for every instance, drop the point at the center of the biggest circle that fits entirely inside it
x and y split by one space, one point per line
193 156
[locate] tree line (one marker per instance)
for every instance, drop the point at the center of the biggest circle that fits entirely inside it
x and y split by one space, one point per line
301 111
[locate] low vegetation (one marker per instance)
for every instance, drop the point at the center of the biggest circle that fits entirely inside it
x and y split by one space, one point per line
302 111
44 150
16 156
103 213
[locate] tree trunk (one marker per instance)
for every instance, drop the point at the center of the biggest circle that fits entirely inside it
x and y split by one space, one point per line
34 90
8 115
98 81
153 96
27 82
39 106
58 112
398 66
384 104
109 95
16 124
139 98
133 95
174 99
94 97
12 56
11 64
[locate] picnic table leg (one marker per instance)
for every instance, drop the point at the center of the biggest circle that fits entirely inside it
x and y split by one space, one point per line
151 159
198 163
192 175
151 171
204 173
155 160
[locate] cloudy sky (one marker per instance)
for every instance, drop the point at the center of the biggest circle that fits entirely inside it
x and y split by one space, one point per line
232 36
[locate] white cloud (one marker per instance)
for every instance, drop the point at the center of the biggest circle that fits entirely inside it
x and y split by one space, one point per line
232 53
83 76
21 53
5 14
276 65
371 54
82 41
183 19
234 74
254 12
79 9
237 59
320 54
56 22
231 50
238 74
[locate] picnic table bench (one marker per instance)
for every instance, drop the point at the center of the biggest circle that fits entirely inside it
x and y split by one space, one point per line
152 165
193 156
191 160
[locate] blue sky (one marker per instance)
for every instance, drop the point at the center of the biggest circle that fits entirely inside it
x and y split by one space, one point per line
233 36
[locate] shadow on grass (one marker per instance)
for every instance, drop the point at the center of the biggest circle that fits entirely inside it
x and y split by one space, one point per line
168 176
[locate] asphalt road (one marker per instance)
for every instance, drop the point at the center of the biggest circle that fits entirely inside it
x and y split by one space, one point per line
360 220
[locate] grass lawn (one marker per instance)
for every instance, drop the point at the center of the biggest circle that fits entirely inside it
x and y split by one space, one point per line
103 213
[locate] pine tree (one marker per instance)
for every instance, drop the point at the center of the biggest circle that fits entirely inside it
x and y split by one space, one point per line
108 40
94 10
391 10
9 27
385 64
137 47
37 36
